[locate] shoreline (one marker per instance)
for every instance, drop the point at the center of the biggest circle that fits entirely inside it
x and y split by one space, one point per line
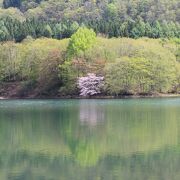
93 97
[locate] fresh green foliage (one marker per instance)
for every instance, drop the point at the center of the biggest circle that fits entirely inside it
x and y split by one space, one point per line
81 41
32 62
130 66
140 75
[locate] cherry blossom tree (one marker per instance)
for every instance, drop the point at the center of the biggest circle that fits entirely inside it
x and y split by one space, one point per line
90 85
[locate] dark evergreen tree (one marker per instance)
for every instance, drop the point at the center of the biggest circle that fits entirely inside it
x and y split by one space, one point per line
12 3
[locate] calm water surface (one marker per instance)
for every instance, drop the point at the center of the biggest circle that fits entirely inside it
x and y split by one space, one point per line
132 139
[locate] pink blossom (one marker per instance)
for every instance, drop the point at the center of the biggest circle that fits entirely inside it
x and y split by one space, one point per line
90 85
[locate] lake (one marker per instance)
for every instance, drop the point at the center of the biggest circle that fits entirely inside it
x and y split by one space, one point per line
127 139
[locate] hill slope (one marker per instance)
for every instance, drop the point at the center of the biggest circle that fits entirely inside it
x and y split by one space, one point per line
112 18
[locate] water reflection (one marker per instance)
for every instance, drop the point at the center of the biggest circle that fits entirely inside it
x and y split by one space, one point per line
91 113
130 139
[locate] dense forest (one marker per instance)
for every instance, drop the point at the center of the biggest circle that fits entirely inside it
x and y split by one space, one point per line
46 46
111 18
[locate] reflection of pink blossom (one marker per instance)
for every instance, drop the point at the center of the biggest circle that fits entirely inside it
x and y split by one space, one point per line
90 85
91 113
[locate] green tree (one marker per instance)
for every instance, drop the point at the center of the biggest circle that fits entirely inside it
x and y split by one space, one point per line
140 75
4 34
111 11
81 41
139 29
48 31
157 30
148 30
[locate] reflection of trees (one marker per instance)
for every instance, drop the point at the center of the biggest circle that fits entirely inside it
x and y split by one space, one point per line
140 129
127 130
48 143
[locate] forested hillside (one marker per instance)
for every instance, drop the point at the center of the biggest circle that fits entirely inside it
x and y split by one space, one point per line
112 18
